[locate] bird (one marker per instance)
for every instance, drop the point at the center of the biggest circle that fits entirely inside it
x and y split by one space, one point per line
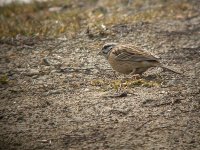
129 59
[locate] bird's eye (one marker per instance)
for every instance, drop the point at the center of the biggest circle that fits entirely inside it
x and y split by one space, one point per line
107 46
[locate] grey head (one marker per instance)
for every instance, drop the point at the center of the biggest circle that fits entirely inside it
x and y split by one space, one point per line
106 49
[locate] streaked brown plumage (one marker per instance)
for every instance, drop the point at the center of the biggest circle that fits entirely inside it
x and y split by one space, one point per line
128 59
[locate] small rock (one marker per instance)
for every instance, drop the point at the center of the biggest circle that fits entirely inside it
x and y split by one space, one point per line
46 61
43 141
163 92
32 72
52 92
54 71
35 76
116 95
55 9
86 90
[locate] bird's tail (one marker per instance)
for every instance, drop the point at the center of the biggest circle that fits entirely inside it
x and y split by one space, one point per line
171 70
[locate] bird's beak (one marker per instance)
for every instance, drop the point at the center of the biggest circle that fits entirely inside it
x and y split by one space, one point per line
100 53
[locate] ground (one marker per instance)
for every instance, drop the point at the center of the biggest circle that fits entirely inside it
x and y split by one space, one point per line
57 93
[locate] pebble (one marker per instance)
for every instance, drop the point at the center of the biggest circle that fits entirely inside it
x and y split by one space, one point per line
32 72
86 90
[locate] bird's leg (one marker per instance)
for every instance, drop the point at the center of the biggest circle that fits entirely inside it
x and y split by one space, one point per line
116 81
120 87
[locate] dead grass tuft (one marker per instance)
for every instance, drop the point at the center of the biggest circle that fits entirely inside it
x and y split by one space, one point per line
57 18
4 79
117 84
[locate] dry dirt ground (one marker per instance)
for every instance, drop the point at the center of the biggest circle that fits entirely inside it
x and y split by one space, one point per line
58 94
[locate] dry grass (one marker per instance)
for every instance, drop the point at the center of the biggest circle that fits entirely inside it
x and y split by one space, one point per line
37 19
106 84
4 79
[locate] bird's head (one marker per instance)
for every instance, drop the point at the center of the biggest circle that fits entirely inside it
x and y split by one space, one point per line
105 51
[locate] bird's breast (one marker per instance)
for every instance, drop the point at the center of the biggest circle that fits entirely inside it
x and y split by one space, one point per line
121 66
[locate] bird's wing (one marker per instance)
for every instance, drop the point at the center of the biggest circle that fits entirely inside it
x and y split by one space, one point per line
131 53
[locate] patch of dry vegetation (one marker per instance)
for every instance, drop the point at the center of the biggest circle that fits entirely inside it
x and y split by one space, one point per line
107 84
44 19
56 18
4 79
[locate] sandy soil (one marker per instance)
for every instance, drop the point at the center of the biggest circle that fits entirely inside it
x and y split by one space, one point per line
61 95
